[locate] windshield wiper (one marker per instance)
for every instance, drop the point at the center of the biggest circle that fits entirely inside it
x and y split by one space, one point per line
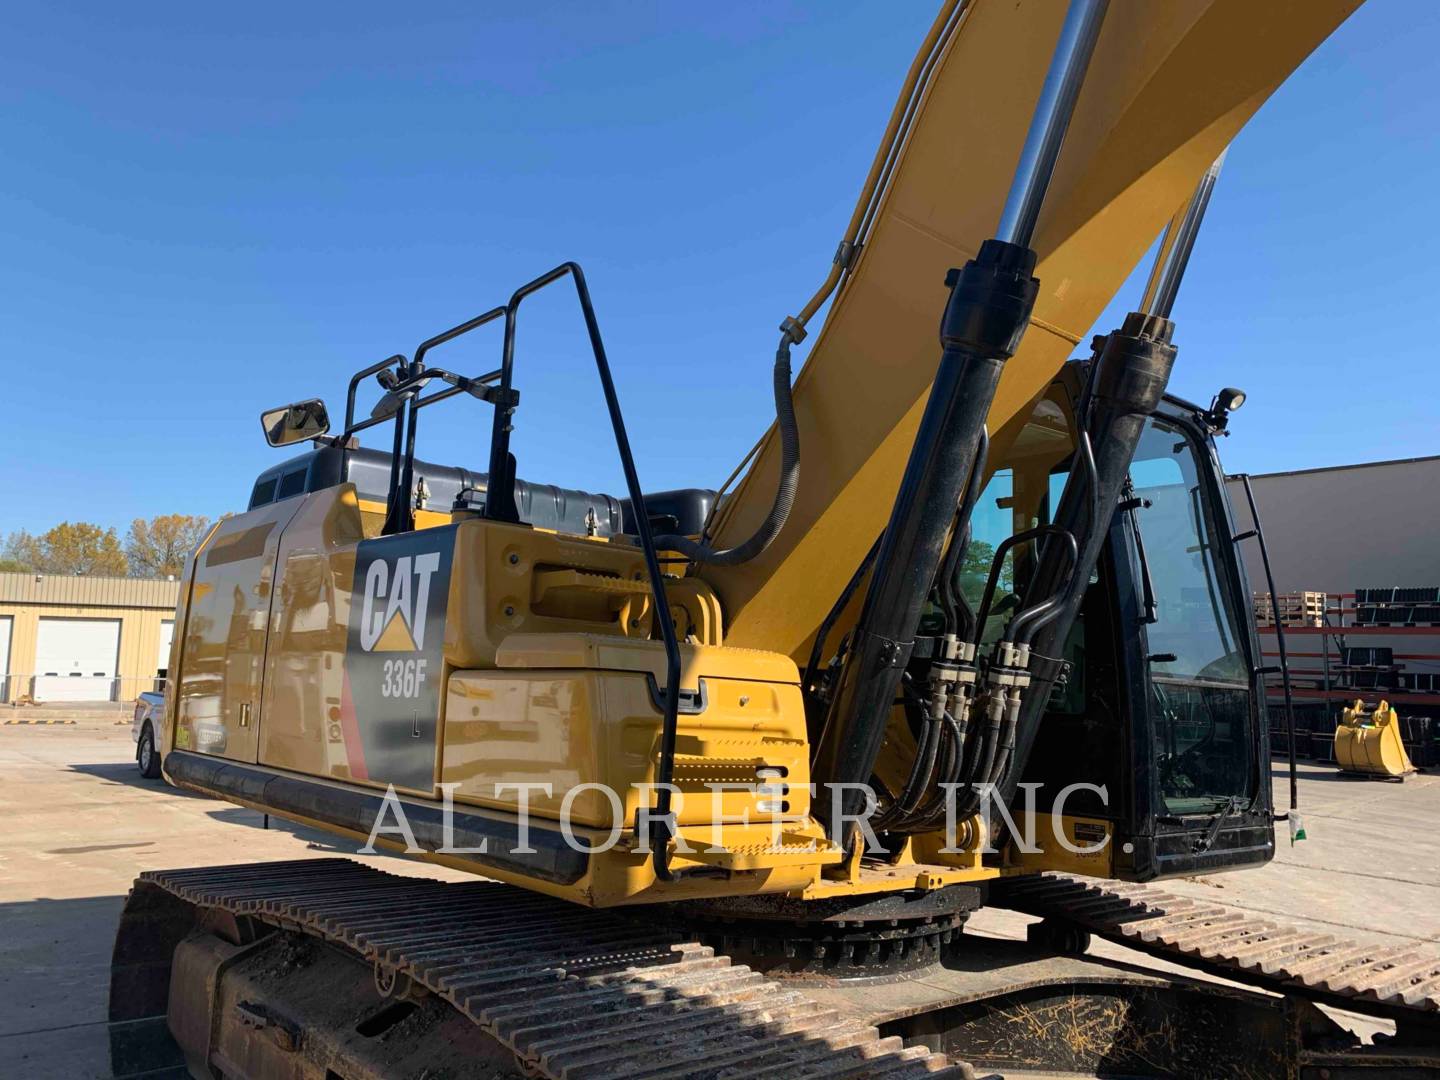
1233 807
1129 503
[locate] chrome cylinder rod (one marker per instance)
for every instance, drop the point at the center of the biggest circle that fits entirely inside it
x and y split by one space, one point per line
1176 245
1051 120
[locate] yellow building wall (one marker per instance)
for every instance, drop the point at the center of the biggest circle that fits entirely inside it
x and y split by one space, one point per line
139 643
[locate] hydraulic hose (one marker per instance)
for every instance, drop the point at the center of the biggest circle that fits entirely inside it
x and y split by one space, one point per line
922 770
1131 370
897 130
817 650
959 619
775 520
933 804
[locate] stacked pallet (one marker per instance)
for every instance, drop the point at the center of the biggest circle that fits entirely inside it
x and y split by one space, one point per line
1294 609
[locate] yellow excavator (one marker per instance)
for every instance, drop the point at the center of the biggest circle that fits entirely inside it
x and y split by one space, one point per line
731 768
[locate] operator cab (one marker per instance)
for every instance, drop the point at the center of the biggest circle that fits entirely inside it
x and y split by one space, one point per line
1162 702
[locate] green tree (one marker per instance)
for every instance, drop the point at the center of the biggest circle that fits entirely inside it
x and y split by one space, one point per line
69 548
160 546
978 557
975 570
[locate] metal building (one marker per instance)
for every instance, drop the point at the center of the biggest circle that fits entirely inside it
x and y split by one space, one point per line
90 639
1340 539
1348 526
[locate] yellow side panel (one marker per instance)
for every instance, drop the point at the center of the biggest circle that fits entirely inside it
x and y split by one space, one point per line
570 728
1088 847
493 589
218 703
305 665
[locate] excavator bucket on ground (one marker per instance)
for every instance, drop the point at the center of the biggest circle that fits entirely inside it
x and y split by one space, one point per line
1367 741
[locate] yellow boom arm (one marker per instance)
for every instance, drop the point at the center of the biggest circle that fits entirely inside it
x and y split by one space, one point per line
1169 86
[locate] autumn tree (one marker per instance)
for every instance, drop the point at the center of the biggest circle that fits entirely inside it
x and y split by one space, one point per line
160 546
69 548
19 552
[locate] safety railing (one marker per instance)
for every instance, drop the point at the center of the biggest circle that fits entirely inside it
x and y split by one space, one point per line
497 388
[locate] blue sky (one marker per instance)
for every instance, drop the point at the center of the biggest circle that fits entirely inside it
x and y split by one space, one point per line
205 211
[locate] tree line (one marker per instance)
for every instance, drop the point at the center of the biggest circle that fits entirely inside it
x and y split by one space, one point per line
154 547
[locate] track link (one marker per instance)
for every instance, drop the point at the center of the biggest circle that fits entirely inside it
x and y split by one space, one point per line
1398 981
573 992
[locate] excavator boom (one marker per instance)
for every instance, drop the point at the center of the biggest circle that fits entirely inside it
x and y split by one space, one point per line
1167 90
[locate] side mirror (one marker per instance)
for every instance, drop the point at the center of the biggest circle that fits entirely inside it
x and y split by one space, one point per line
295 423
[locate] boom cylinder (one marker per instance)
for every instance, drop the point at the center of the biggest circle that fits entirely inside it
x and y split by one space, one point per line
989 308
1177 244
1051 120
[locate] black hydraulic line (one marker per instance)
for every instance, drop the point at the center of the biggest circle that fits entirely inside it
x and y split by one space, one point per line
991 299
764 535
927 750
817 649
1089 481
932 793
994 736
1132 369
1259 534
990 304
958 616
959 619
997 564
948 753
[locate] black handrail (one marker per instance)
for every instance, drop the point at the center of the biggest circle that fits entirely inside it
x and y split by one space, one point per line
455 331
440 395
500 469
356 380
1258 533
500 491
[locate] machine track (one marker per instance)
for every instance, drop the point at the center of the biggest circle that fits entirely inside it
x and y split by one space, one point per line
571 991
1397 981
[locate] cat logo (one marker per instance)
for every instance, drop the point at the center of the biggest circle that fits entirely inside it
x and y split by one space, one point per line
395 657
395 601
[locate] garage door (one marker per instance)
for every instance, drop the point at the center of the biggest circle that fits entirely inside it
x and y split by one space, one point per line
75 659
6 622
162 661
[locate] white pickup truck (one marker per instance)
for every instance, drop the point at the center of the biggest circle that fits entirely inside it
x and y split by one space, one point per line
149 710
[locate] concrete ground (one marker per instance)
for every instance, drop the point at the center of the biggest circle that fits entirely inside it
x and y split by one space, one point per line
79 823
